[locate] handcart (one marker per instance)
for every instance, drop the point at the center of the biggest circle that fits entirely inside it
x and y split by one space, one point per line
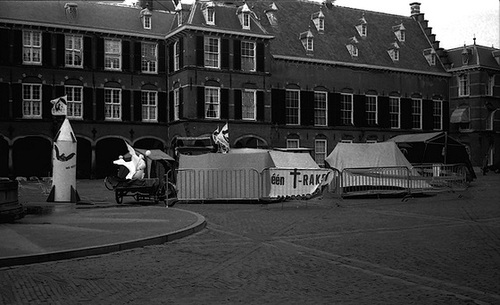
158 184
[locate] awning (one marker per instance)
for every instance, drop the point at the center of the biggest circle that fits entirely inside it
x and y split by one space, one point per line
460 115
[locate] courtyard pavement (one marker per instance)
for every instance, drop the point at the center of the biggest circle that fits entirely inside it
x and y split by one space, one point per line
439 249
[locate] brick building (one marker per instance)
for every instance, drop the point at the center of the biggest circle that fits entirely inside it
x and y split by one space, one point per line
282 75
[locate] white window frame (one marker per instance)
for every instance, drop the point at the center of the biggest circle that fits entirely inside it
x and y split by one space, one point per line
395 116
73 51
32 101
320 108
490 85
371 109
320 151
149 58
463 85
292 143
248 56
490 121
353 50
246 21
112 104
74 98
346 109
292 107
212 98
416 113
437 114
147 22
209 14
179 18
211 52
249 112
177 103
309 44
113 54
177 55
32 47
149 101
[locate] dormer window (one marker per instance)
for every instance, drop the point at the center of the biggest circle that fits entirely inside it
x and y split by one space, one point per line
180 16
307 40
243 13
319 21
352 47
466 56
394 51
362 27
430 55
209 13
400 32
271 14
146 18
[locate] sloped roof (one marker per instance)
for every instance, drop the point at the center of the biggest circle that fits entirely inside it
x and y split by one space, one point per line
91 16
365 155
294 17
226 18
480 56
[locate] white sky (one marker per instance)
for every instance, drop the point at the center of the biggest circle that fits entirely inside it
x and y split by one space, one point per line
454 22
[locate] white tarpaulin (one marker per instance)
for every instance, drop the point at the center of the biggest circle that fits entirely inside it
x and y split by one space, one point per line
374 164
248 174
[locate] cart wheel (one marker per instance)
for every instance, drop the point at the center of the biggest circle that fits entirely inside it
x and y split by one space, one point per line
118 197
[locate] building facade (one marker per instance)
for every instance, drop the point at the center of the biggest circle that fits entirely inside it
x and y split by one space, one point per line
292 74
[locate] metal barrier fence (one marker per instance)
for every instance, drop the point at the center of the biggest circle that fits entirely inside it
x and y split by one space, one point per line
442 177
221 184
250 184
421 179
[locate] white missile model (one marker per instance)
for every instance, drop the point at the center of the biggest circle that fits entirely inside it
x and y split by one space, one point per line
64 166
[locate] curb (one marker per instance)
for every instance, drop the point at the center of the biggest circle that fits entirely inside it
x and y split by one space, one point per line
107 248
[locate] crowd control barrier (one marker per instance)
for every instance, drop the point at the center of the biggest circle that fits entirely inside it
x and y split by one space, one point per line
420 179
219 184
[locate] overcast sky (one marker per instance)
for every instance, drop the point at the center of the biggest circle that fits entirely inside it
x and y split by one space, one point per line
454 22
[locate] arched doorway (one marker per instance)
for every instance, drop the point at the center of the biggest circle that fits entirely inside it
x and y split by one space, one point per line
250 142
106 151
4 158
32 156
149 143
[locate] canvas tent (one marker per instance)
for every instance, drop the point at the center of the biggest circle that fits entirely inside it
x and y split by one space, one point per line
369 166
245 174
435 147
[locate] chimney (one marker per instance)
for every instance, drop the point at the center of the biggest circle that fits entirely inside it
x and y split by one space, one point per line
415 8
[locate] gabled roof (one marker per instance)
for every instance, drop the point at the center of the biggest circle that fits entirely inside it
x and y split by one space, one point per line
294 17
226 19
91 16
479 56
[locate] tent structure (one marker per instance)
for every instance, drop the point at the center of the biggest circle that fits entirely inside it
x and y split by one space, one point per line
435 147
246 174
374 167
366 155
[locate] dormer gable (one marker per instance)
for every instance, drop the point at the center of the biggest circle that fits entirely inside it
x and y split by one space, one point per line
271 14
208 10
393 51
318 19
430 55
362 27
243 13
466 55
145 16
352 46
307 39
400 32
180 15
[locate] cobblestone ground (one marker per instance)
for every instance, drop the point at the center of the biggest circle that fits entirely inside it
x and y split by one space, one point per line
442 249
